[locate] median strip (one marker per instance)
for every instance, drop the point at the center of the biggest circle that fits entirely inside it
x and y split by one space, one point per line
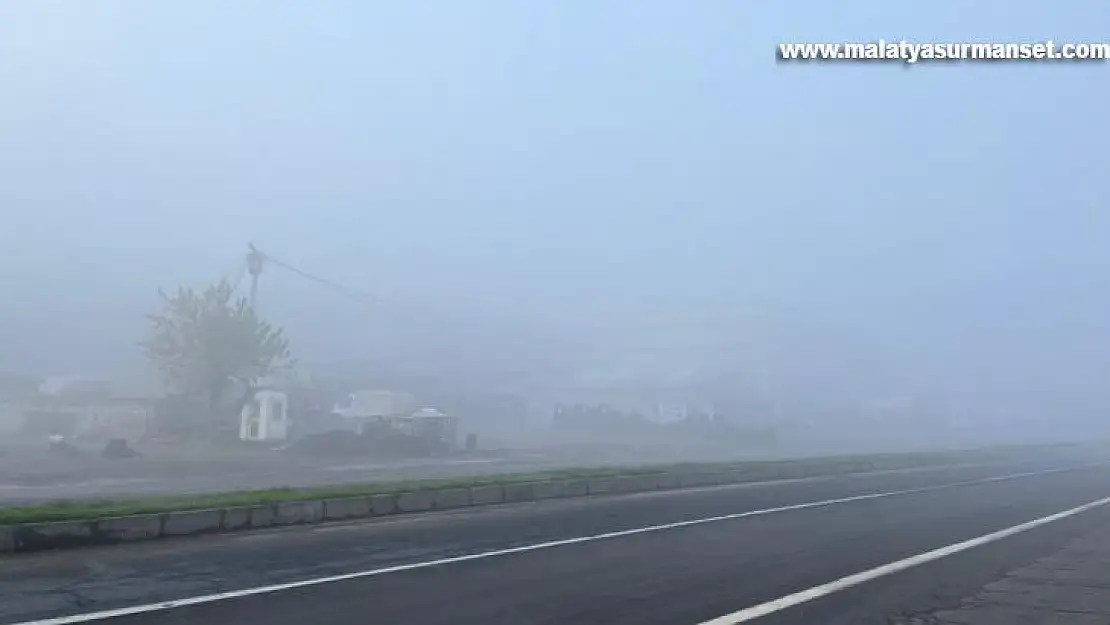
76 524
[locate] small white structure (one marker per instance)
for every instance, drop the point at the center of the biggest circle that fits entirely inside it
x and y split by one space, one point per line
430 424
265 417
362 404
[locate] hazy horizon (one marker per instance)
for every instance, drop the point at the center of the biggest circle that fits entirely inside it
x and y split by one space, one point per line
554 188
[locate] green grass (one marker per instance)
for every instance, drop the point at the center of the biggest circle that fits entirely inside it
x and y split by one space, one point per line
82 510
755 470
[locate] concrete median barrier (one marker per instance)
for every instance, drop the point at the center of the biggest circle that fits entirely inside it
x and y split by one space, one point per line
635 484
346 508
262 516
298 512
129 528
236 518
519 493
60 535
547 490
487 495
559 490
244 511
695 480
383 504
600 486
451 498
576 488
667 481
624 484
192 522
420 501
717 478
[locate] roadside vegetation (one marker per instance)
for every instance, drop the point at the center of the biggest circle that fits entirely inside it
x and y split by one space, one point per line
210 345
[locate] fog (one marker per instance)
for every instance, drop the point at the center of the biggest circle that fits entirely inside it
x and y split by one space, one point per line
534 197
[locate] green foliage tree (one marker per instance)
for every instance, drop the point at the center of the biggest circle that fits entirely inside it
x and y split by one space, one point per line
208 343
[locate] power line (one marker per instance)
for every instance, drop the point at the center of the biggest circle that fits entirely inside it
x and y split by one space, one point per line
381 304
408 312
335 286
539 339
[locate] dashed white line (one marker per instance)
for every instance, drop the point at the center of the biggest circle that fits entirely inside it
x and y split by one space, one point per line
743 615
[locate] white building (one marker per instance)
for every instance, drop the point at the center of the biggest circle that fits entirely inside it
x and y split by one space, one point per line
265 417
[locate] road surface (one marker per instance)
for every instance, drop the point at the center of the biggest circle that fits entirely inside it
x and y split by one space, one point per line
675 558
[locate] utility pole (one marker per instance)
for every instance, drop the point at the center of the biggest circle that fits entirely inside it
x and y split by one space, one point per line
256 260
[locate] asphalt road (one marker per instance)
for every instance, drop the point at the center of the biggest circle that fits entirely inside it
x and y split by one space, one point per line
715 564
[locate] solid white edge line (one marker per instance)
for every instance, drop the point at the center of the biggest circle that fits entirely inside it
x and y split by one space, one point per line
789 601
261 590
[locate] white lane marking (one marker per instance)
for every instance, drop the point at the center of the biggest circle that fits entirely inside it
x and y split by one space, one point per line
262 590
789 601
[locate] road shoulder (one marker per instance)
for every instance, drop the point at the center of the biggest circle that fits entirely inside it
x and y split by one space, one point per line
1069 587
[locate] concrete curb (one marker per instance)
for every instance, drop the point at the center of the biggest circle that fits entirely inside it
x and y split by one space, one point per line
7 538
69 534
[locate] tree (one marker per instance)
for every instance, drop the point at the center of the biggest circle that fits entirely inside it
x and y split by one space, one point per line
207 343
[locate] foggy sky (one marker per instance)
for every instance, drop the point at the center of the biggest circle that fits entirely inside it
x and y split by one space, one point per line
536 178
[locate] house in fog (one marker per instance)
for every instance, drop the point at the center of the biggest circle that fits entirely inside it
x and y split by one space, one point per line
94 408
376 412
